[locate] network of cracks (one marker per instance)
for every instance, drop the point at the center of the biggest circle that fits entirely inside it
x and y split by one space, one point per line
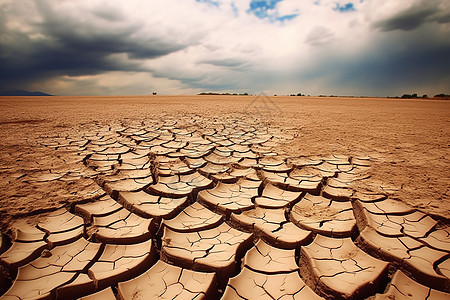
212 210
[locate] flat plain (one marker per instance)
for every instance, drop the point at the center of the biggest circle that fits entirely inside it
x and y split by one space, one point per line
319 185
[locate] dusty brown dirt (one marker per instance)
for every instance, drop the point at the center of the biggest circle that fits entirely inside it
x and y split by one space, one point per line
409 138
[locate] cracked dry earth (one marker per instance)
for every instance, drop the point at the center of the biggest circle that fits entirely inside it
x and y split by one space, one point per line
209 209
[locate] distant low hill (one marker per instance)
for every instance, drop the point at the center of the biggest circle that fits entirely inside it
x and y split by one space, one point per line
23 93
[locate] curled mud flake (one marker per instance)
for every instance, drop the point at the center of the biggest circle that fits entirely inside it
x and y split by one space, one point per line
438 239
273 192
387 206
175 144
98 156
338 183
195 163
122 227
444 268
135 163
274 197
121 262
363 161
129 174
415 224
272 164
164 281
152 206
56 273
326 169
227 198
221 158
403 287
248 163
102 165
135 154
59 221
293 182
410 255
212 169
266 202
25 231
337 194
337 159
208 250
368 196
114 149
127 185
303 161
267 259
198 149
178 186
350 178
21 253
324 216
148 144
254 285
194 218
272 226
245 154
102 207
338 268
168 167
62 226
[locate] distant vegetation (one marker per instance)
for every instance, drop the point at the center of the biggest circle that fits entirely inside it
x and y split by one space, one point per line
443 96
412 96
415 96
224 94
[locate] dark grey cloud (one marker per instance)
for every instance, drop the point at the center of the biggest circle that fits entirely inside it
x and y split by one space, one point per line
226 62
74 45
409 19
394 65
442 18
203 47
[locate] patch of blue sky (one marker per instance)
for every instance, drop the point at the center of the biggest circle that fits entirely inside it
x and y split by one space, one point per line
234 9
348 7
268 10
212 2
287 17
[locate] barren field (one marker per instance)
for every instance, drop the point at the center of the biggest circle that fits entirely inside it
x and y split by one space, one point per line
227 196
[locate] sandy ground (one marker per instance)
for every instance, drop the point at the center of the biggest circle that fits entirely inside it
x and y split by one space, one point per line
410 140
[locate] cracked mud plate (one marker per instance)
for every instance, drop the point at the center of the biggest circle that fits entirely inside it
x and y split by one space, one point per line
209 209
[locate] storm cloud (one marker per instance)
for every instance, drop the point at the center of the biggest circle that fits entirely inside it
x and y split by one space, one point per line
74 43
369 47
409 19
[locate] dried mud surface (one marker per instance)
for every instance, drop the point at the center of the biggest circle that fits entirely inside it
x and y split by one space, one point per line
224 197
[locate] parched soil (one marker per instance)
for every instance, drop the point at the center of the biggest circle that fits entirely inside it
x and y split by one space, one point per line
224 197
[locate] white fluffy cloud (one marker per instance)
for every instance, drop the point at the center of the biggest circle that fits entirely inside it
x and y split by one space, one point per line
187 46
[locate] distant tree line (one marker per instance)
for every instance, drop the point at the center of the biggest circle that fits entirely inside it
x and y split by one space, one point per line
404 96
224 94
443 96
415 96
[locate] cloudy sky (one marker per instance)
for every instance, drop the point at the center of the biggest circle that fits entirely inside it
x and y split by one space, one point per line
134 47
